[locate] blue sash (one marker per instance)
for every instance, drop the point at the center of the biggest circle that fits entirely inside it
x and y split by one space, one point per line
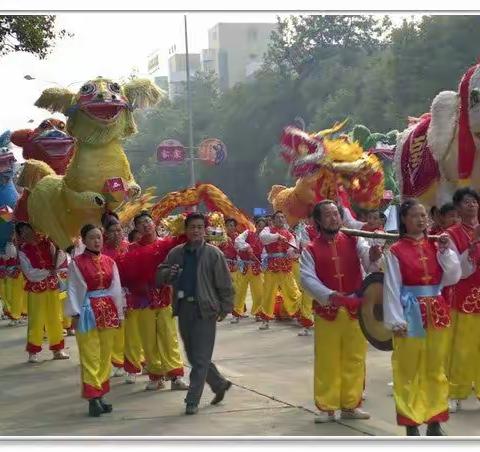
87 317
411 307
62 285
243 263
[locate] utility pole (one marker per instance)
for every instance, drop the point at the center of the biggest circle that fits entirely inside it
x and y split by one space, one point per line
189 110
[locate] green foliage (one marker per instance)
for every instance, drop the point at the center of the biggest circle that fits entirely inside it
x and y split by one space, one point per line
323 69
32 34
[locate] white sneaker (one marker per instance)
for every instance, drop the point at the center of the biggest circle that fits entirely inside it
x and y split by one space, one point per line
356 413
117 372
33 358
325 416
454 405
12 323
131 379
264 326
60 354
22 321
305 332
235 320
178 385
154 385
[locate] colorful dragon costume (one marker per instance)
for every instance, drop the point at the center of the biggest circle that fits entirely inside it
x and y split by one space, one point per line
48 142
8 192
98 178
326 167
213 198
437 153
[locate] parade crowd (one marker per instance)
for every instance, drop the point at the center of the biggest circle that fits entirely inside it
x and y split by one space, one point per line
119 295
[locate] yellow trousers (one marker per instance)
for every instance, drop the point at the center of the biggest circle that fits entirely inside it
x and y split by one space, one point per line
255 282
464 373
44 313
67 321
95 351
290 292
339 372
16 296
420 386
118 346
133 353
305 312
158 333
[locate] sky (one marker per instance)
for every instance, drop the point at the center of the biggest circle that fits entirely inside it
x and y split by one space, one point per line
108 44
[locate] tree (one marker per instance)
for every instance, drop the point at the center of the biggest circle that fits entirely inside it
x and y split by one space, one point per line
301 43
32 34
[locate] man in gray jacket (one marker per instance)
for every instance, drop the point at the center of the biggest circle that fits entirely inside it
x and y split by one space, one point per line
203 295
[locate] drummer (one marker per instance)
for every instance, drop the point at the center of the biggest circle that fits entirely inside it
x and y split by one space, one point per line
416 271
331 272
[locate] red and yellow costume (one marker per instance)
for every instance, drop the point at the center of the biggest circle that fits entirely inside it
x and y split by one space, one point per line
13 284
464 370
328 266
250 272
279 272
415 275
3 277
150 309
117 254
41 284
95 295
305 235
231 255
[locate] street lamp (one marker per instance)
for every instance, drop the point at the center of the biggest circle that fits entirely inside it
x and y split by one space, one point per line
31 77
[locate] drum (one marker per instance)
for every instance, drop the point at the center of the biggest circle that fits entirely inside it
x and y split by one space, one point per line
370 314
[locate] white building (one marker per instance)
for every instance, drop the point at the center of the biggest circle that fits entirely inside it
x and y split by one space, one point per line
236 51
177 72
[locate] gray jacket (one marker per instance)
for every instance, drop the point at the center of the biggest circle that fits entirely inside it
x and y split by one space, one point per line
214 291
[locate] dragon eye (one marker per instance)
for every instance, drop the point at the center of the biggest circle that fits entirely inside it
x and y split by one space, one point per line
61 125
86 89
114 87
474 97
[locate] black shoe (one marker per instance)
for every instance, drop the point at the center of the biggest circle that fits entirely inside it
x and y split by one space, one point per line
221 394
412 430
94 408
106 407
434 429
191 409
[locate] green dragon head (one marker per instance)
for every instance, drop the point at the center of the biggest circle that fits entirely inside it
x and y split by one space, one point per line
383 145
102 110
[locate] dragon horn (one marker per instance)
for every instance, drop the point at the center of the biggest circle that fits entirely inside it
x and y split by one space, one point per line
336 127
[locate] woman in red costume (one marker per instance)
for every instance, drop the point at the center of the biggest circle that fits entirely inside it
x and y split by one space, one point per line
95 303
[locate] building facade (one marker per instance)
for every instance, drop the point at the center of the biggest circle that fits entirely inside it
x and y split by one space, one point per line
236 51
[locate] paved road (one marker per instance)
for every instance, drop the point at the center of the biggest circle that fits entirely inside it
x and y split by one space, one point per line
271 370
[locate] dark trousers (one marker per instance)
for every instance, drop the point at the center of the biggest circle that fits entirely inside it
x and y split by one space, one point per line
198 336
